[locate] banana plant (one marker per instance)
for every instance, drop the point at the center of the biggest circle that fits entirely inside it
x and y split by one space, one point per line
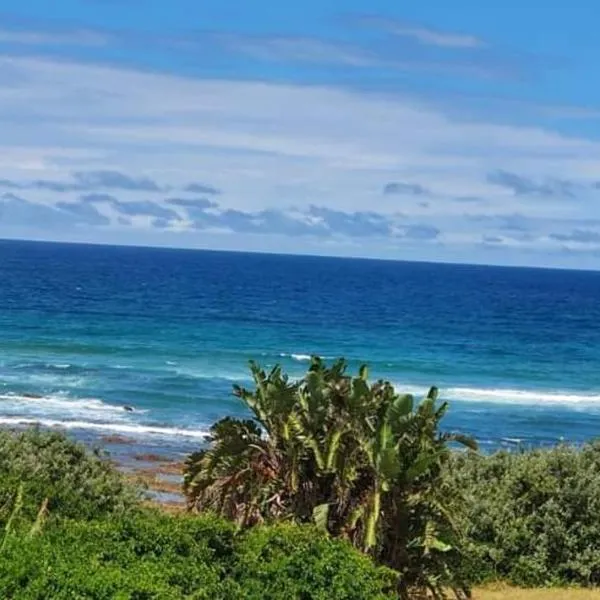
357 459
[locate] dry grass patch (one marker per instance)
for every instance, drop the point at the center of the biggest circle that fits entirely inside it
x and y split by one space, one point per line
511 593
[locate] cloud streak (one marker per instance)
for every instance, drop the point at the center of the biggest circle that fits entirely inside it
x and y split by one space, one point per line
423 35
399 46
87 181
525 186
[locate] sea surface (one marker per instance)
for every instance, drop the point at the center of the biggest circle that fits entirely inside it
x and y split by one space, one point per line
88 330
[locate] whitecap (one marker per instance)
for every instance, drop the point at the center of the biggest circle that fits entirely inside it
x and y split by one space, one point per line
133 430
60 402
505 395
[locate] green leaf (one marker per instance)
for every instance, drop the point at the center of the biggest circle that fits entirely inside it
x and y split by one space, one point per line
440 546
465 440
422 464
433 393
401 406
320 516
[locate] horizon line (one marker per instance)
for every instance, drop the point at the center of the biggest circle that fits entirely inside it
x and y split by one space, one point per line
4 240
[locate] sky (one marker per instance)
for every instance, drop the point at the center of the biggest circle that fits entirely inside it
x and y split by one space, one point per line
461 131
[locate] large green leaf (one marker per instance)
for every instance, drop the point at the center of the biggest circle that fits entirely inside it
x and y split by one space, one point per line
321 516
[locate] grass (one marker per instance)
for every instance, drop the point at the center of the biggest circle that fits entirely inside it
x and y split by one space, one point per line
503 592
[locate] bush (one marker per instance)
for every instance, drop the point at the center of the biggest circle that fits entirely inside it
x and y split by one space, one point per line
48 465
153 556
531 518
288 561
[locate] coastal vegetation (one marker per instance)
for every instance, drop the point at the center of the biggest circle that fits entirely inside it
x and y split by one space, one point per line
334 487
530 517
358 460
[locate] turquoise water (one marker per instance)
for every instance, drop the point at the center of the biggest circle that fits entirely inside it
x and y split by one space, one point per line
87 330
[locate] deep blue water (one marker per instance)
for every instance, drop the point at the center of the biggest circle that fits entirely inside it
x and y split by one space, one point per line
89 329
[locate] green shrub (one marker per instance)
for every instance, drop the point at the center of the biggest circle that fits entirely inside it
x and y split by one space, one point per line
154 556
141 557
48 465
531 518
288 561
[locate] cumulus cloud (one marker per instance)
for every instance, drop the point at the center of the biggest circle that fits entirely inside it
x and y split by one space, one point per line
16 211
115 180
161 223
524 186
492 239
422 232
359 224
469 199
83 213
192 203
144 208
314 221
97 198
401 188
509 222
580 236
201 188
10 185
87 181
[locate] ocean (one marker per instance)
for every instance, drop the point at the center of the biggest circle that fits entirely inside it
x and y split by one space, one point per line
88 330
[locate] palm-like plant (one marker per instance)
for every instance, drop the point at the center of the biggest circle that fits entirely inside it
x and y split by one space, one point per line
359 460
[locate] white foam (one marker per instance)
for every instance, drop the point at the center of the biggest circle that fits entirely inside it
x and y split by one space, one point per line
300 357
56 379
505 395
133 430
521 396
202 374
60 402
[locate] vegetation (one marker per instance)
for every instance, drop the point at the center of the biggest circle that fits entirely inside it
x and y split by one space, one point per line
153 556
531 518
359 460
332 477
88 538
60 474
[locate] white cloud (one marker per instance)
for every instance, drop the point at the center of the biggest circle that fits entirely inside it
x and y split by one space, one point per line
424 35
433 37
79 37
269 145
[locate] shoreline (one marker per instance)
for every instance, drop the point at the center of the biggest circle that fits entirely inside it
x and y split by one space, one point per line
160 475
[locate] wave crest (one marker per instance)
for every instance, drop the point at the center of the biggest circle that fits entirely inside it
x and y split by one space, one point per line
133 430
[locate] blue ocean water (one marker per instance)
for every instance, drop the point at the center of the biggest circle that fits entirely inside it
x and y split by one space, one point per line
86 330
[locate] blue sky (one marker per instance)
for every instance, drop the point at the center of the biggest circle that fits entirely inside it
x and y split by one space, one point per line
449 131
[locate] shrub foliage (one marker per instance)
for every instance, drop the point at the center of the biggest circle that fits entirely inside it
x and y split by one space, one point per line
531 517
359 460
157 557
52 471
